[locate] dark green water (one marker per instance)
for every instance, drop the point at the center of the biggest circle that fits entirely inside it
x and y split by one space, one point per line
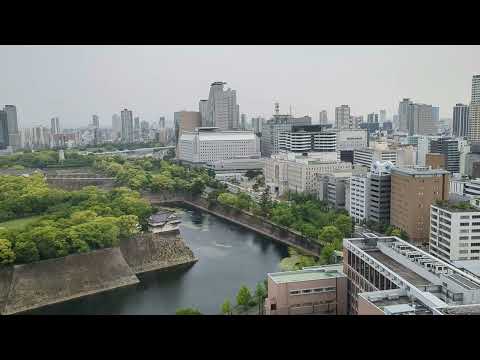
229 256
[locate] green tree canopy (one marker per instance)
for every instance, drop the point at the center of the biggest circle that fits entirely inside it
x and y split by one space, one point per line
7 256
187 311
244 296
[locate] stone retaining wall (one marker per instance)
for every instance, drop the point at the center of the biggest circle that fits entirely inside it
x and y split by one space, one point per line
29 286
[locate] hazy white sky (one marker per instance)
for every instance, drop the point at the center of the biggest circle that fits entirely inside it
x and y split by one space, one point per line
74 82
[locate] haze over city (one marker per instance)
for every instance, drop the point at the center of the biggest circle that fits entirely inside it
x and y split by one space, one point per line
74 82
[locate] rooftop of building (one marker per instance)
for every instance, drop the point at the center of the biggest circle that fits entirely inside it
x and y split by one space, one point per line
456 203
218 135
473 309
419 171
396 302
308 274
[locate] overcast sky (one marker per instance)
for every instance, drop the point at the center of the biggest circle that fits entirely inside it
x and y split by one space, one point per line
74 82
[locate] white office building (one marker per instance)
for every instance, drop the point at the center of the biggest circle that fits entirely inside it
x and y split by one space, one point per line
357 194
342 117
351 139
367 157
207 145
308 138
455 230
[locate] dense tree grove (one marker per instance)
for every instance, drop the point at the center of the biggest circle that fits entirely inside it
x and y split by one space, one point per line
71 221
45 159
157 175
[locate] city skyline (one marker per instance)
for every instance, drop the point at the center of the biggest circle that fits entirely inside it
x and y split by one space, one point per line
74 82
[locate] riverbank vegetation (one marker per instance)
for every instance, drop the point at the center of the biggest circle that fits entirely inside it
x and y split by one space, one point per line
70 222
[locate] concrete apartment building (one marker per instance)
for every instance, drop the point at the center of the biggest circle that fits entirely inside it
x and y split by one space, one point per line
331 188
403 114
207 145
323 117
420 120
455 230
413 190
389 276
313 290
308 138
299 172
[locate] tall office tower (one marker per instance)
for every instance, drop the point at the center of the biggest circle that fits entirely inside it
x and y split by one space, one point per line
413 191
127 126
203 108
12 124
383 116
403 110
243 122
436 114
144 130
460 120
161 122
222 108
420 120
323 119
372 118
448 147
95 122
116 127
257 125
3 130
474 112
342 117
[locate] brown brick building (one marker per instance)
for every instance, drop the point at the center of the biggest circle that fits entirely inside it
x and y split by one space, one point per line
436 161
413 190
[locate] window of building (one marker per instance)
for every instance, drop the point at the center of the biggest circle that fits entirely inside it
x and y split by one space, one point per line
464 224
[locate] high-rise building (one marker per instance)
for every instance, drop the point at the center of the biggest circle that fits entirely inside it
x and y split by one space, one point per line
460 120
474 112
368 156
95 122
55 126
323 118
3 130
413 191
161 122
355 122
395 121
116 127
448 147
383 116
222 108
420 120
403 111
203 109
12 125
127 126
136 129
342 117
